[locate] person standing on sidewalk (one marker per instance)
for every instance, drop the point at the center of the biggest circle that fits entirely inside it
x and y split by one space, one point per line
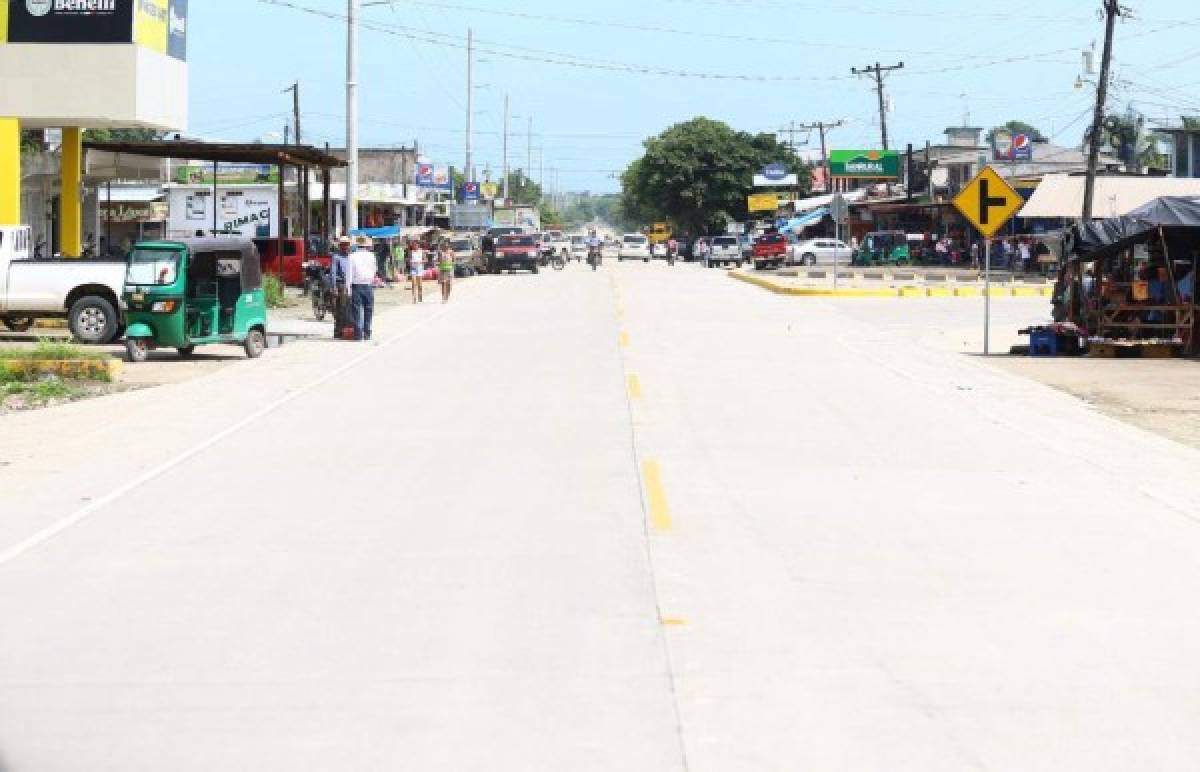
446 270
340 275
363 268
416 261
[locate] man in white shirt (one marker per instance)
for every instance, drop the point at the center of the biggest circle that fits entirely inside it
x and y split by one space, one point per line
363 267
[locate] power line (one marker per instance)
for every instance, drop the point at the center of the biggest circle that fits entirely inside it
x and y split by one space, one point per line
878 71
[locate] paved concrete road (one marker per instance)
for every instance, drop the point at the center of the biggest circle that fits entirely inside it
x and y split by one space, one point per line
644 519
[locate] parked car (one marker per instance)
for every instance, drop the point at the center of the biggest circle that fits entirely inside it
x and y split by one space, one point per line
466 256
514 252
724 250
746 247
87 291
819 252
634 246
770 250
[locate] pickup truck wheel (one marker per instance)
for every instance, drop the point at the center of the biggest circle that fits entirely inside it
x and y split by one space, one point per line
93 320
17 323
137 349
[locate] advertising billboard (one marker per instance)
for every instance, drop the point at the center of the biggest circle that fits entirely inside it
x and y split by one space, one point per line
70 21
227 174
865 164
1008 145
763 202
250 211
434 177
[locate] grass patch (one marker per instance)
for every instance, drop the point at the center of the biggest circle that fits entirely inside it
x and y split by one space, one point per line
48 350
274 292
38 392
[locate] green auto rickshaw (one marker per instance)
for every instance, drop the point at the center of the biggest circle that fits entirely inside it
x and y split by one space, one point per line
883 248
181 294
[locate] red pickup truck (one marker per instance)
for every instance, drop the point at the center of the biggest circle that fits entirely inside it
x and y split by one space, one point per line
770 251
295 255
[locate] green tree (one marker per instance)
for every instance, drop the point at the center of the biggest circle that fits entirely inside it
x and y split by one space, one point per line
123 135
697 175
1019 127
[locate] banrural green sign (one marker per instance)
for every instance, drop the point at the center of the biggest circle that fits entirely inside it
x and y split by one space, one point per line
867 164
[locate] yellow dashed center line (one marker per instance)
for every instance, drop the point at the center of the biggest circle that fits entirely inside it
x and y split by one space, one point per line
635 387
656 496
624 339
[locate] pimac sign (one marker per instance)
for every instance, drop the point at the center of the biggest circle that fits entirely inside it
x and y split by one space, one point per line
160 25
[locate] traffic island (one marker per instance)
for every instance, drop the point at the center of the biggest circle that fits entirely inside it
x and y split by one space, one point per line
53 373
783 287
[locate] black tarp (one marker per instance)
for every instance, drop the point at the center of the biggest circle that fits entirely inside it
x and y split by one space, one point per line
1103 238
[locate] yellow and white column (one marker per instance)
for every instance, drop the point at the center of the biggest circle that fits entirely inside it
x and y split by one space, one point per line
10 171
70 221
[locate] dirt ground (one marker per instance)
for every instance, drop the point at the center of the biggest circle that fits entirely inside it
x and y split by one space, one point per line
1159 395
167 367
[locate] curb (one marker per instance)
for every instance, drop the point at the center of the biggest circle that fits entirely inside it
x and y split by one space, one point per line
889 292
51 324
89 369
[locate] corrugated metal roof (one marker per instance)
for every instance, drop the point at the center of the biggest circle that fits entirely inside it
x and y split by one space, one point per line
1061 195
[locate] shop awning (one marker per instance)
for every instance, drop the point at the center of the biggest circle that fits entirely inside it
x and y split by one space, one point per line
368 193
816 202
1061 195
141 194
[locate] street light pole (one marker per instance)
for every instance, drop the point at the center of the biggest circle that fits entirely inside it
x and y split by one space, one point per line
352 115
506 148
469 170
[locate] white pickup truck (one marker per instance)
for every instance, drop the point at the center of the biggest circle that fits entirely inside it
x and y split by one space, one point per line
86 291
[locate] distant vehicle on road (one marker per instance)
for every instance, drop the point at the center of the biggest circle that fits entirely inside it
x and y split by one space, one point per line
87 291
724 250
506 230
579 248
659 251
819 252
634 246
611 250
770 250
556 243
514 252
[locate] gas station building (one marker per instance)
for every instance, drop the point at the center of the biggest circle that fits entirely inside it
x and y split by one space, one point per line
83 64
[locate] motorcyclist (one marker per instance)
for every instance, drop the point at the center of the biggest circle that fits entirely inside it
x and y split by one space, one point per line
672 250
593 245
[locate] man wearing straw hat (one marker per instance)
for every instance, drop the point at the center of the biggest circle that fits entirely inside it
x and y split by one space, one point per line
340 275
363 268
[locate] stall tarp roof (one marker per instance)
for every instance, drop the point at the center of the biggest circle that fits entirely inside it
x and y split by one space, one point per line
1061 195
804 220
250 153
1105 237
815 202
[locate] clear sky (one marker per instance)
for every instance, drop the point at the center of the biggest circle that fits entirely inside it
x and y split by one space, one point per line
991 63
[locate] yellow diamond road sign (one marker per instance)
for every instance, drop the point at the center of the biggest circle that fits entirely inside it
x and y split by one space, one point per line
988 202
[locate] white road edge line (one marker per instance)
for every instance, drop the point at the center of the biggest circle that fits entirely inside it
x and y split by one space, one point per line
49 532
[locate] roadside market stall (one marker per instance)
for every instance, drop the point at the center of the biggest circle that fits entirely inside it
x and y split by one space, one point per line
1130 281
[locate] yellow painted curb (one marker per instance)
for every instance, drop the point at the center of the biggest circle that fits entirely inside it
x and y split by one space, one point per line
51 324
1026 292
966 292
90 369
902 292
938 292
912 292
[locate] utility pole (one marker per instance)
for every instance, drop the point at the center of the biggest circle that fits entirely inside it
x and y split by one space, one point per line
469 169
1112 10
823 127
877 70
506 148
295 89
529 151
352 115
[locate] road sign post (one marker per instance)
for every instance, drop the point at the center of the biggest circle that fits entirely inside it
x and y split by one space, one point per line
988 202
839 209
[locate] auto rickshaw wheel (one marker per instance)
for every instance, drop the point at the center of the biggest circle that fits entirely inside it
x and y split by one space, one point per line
186 351
255 344
137 349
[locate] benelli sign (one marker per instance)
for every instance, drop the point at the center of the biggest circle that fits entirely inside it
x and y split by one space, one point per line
43 7
70 21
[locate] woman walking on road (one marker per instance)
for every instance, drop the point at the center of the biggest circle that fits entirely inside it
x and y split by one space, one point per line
446 270
416 260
